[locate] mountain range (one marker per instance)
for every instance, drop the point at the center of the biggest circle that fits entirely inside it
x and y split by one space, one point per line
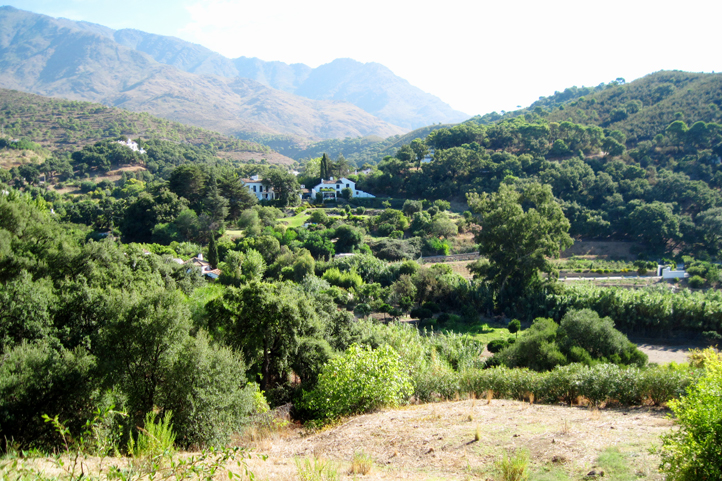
188 83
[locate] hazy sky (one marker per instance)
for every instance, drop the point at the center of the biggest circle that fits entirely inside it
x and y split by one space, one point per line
478 56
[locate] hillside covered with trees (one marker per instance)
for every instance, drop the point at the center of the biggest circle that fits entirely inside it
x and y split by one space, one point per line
653 176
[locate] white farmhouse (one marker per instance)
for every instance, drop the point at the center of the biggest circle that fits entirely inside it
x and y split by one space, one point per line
331 189
262 192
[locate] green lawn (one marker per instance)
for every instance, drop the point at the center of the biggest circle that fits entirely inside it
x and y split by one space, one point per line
480 331
296 221
234 233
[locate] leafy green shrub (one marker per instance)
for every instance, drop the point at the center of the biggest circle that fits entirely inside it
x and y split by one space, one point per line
346 280
443 318
205 414
664 383
360 210
497 345
436 385
692 452
361 380
514 326
696 282
584 328
712 336
42 378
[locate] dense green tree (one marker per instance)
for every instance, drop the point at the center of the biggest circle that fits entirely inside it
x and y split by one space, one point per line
285 187
520 231
188 181
239 197
348 238
709 225
266 321
655 223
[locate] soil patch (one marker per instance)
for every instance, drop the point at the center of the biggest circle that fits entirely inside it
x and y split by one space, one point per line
437 441
662 353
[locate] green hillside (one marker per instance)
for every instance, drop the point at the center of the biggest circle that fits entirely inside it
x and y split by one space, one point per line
640 109
643 108
360 150
638 162
64 125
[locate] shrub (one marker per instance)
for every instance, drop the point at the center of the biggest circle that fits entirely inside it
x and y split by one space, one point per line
361 380
346 280
40 378
360 210
692 452
207 392
696 282
497 345
514 326
155 439
432 306
712 336
513 467
420 313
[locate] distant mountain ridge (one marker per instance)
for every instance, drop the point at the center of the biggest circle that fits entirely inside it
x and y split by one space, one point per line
83 61
371 86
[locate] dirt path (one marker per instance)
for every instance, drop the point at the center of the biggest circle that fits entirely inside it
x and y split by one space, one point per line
663 353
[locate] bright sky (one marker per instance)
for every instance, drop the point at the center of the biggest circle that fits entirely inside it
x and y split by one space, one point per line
478 56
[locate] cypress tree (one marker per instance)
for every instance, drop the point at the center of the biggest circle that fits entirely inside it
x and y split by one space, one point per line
213 251
325 166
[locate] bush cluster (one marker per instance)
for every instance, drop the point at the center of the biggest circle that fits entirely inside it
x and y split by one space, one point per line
599 384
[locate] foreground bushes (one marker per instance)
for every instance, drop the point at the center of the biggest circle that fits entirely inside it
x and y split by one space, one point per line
693 451
361 380
601 383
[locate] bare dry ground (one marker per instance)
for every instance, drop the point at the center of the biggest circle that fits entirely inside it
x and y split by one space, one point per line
437 441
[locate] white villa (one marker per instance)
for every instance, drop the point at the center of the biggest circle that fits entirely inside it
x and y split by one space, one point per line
330 189
262 192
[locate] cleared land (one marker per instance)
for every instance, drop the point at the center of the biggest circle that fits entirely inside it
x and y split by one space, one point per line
437 441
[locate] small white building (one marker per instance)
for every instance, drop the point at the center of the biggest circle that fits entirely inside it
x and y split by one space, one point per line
667 273
262 192
204 266
132 145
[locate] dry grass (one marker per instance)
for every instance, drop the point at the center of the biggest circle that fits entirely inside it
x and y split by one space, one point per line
433 441
361 464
